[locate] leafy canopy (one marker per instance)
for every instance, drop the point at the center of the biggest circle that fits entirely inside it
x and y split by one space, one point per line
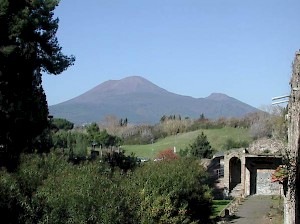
200 148
28 47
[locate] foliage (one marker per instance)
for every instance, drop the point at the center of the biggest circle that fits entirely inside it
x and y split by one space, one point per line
61 124
107 140
142 134
200 148
101 137
262 126
121 161
216 137
204 123
18 189
269 123
83 194
123 123
167 155
81 145
280 125
93 129
47 189
232 144
11 198
175 126
173 192
280 174
60 139
28 47
76 143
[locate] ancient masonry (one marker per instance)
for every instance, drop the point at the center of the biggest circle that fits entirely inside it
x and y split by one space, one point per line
292 152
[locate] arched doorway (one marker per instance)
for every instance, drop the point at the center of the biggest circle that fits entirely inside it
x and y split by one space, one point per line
234 172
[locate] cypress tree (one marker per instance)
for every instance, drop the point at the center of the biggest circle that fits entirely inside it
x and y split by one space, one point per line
28 47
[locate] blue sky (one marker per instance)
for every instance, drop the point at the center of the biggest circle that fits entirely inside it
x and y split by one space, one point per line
242 48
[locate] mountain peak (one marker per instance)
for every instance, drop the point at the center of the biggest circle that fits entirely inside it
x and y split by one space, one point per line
128 85
218 97
141 101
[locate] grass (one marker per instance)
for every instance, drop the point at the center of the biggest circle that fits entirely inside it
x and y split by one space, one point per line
218 206
276 209
216 137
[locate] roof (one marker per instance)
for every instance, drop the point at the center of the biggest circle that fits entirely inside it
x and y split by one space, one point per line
218 154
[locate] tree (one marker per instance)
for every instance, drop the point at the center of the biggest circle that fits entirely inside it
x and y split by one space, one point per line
202 117
201 148
108 140
61 124
93 129
28 47
102 137
60 139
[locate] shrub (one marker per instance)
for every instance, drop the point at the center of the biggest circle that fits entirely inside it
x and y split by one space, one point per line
232 144
167 155
173 192
11 199
48 189
82 194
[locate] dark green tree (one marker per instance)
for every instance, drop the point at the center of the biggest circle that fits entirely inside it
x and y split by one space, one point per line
202 117
93 129
201 148
121 122
107 140
28 47
125 122
60 139
61 124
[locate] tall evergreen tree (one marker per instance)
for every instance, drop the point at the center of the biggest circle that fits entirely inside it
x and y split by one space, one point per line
201 147
28 47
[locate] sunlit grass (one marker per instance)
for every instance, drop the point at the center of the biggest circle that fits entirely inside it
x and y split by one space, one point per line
216 137
218 206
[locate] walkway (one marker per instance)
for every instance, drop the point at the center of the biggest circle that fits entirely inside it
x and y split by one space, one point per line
254 210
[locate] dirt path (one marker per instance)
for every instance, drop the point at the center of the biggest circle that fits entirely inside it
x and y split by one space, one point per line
254 210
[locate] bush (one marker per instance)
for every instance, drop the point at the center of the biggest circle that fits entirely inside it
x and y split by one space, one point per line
167 154
121 161
173 192
11 199
232 144
48 189
83 194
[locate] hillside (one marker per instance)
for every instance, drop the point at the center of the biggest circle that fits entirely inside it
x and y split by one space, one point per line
216 137
144 102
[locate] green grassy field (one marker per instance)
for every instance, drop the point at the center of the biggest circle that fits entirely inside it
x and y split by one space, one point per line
218 206
216 137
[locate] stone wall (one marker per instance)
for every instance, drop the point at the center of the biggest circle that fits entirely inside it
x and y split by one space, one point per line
291 200
264 184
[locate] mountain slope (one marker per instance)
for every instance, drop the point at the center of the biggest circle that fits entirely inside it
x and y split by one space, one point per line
144 102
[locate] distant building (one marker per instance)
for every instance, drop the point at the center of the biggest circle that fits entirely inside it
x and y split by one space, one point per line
243 174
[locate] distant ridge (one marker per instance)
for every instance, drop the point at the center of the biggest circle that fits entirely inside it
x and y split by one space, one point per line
141 101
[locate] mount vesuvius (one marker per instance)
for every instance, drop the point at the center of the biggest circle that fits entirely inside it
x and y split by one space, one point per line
141 101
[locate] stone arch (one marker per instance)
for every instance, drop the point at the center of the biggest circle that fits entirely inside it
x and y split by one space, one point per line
235 172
